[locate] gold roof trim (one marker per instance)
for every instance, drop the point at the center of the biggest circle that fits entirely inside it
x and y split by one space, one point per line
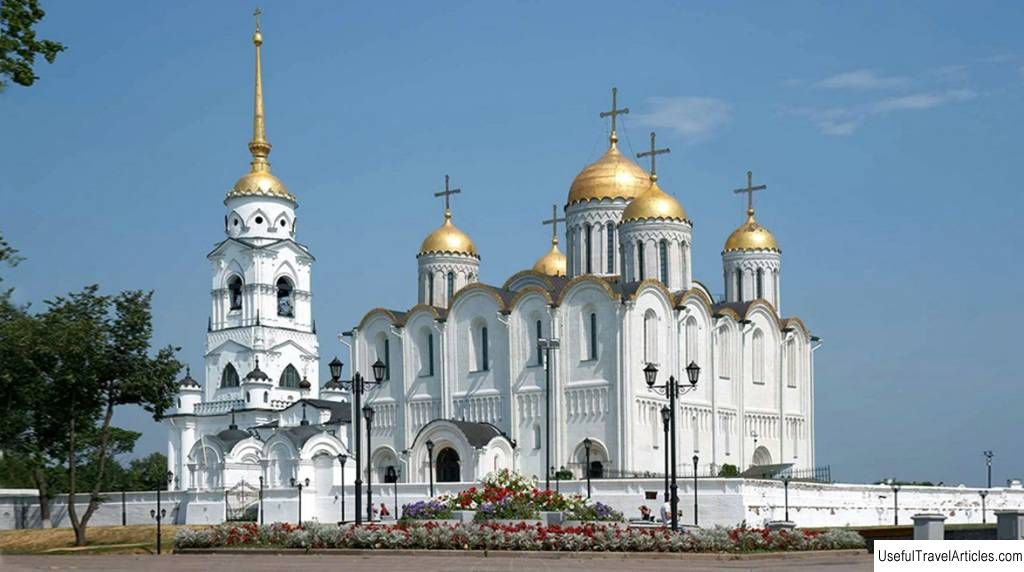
566 290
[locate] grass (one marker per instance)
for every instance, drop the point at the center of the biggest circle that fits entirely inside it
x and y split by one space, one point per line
135 539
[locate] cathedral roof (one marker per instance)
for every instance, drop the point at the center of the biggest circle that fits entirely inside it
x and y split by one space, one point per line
553 263
187 381
477 434
751 236
302 433
613 176
231 436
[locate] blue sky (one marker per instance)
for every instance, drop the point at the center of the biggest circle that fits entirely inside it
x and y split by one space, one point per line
888 133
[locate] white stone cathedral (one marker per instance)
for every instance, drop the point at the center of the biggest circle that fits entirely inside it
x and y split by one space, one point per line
465 389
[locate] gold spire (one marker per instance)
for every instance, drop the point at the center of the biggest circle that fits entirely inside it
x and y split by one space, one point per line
553 263
751 235
613 176
259 180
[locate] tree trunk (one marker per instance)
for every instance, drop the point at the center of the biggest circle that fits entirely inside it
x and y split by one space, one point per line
39 477
102 462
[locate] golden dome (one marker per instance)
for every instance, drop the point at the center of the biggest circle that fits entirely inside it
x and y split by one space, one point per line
654 204
751 236
448 239
612 176
262 183
552 263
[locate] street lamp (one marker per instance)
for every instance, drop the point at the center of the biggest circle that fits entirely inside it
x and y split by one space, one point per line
342 459
587 443
673 389
391 476
988 462
261 500
895 501
299 486
358 385
696 458
368 415
666 415
983 495
160 513
785 488
430 460
546 345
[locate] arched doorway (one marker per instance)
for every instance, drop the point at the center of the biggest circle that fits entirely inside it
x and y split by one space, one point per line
762 456
448 470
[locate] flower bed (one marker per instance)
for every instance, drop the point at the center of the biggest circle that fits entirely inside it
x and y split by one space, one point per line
587 538
506 495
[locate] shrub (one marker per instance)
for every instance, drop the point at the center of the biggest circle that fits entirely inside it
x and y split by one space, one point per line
728 470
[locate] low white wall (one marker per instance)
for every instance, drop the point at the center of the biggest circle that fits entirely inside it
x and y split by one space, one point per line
720 501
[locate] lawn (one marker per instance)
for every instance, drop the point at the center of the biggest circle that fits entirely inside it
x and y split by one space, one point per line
135 539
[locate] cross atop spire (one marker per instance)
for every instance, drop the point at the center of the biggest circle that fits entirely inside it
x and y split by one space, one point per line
259 146
446 193
553 221
653 154
750 190
614 112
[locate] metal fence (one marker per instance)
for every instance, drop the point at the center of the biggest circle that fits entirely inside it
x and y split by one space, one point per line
822 474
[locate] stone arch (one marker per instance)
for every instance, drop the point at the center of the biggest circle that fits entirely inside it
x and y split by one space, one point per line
599 459
762 456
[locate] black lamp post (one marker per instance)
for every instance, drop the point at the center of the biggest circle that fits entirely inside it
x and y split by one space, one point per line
895 501
785 488
546 345
124 510
587 443
368 415
358 385
696 458
430 461
665 414
983 495
342 459
391 476
988 463
299 485
160 513
673 389
261 500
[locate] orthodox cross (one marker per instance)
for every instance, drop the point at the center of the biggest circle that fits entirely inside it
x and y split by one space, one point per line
653 154
615 111
750 191
257 14
553 221
446 193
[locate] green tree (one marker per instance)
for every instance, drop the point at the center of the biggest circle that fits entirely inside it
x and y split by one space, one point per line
18 44
147 474
97 357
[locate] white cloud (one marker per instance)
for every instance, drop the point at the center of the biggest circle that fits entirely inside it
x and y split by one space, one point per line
922 100
692 118
863 80
846 120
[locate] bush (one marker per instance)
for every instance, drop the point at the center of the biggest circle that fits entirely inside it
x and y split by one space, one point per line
728 470
522 536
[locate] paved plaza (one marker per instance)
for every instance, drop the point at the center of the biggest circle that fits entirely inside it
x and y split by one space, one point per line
439 562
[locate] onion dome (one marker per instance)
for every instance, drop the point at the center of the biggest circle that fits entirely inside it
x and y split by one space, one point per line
448 239
304 385
187 381
257 374
751 236
552 263
232 434
654 204
613 176
259 181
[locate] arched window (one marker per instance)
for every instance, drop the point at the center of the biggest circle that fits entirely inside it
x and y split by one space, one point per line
430 288
588 248
793 364
385 355
484 358
235 292
758 357
691 341
229 378
760 283
724 368
536 345
536 437
650 337
739 285
285 304
663 260
592 345
640 270
427 355
451 286
610 231
290 377
266 396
